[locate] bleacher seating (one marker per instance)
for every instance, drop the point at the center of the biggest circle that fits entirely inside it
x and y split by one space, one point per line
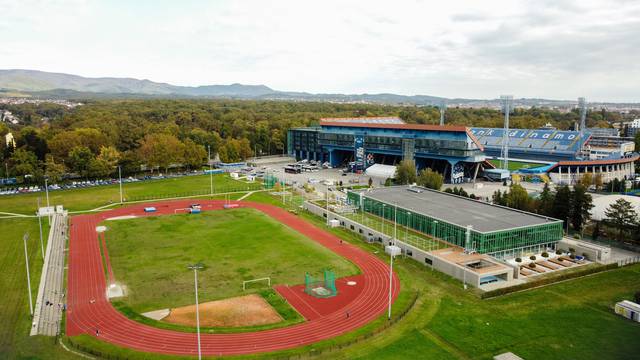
532 142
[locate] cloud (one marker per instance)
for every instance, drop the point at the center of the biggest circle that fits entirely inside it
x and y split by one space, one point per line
549 48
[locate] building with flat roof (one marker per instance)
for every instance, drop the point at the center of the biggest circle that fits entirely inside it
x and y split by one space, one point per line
471 224
459 153
451 150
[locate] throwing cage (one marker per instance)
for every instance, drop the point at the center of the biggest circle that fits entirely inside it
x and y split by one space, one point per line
321 288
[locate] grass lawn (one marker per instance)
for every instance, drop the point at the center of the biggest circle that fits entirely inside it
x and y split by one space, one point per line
516 165
15 341
90 198
150 255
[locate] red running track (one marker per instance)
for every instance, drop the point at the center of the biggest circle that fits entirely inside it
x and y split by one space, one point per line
87 283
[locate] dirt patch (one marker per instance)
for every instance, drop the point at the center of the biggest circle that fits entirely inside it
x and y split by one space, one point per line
249 310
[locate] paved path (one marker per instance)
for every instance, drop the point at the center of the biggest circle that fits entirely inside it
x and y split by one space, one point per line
50 300
87 283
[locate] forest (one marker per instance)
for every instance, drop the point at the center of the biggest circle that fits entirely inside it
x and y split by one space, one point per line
93 139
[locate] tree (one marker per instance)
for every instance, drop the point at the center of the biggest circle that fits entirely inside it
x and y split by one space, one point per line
80 160
597 181
581 207
110 156
160 150
53 171
206 139
518 198
545 201
621 215
561 208
586 180
499 198
430 179
405 173
194 154
99 168
24 163
32 139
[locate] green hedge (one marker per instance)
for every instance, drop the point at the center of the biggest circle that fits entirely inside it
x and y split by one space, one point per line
547 280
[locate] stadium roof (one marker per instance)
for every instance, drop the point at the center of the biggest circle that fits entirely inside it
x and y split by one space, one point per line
399 126
456 210
366 120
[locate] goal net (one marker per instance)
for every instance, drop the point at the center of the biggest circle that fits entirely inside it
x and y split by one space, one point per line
247 283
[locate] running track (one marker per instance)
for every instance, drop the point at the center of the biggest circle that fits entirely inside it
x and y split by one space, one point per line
87 281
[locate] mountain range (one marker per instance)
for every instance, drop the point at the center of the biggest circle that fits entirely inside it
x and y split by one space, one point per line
41 84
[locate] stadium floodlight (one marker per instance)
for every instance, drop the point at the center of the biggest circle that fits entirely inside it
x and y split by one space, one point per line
506 108
582 104
195 268
443 108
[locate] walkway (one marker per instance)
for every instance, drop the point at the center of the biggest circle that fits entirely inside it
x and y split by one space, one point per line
50 300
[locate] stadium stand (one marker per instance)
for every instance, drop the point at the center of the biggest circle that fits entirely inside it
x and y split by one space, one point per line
533 143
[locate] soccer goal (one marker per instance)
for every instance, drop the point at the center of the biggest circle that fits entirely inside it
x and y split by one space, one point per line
321 288
246 282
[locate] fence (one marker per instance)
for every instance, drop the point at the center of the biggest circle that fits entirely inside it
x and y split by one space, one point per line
628 261
204 192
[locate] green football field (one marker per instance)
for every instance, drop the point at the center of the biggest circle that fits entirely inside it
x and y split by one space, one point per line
516 165
150 256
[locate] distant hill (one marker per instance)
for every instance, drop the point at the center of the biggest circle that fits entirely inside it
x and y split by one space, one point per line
41 84
40 81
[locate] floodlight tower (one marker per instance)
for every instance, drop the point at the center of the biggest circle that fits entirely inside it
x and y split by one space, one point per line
504 151
582 104
443 108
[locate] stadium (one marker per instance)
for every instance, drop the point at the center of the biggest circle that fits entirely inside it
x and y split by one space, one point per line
461 153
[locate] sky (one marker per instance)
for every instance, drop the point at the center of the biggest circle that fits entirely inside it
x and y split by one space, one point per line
554 49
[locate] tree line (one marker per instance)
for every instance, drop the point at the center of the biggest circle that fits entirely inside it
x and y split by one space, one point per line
92 139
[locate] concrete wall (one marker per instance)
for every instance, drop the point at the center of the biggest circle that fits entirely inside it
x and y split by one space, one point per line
592 252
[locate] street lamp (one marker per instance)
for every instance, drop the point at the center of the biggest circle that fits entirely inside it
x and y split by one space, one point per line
26 261
120 181
210 171
46 189
40 225
195 268
384 217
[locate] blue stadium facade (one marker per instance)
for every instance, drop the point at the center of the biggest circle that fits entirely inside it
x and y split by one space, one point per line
452 150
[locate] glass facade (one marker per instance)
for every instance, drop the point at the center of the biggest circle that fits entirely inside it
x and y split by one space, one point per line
484 243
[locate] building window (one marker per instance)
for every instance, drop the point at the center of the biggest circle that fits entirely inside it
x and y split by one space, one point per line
428 261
